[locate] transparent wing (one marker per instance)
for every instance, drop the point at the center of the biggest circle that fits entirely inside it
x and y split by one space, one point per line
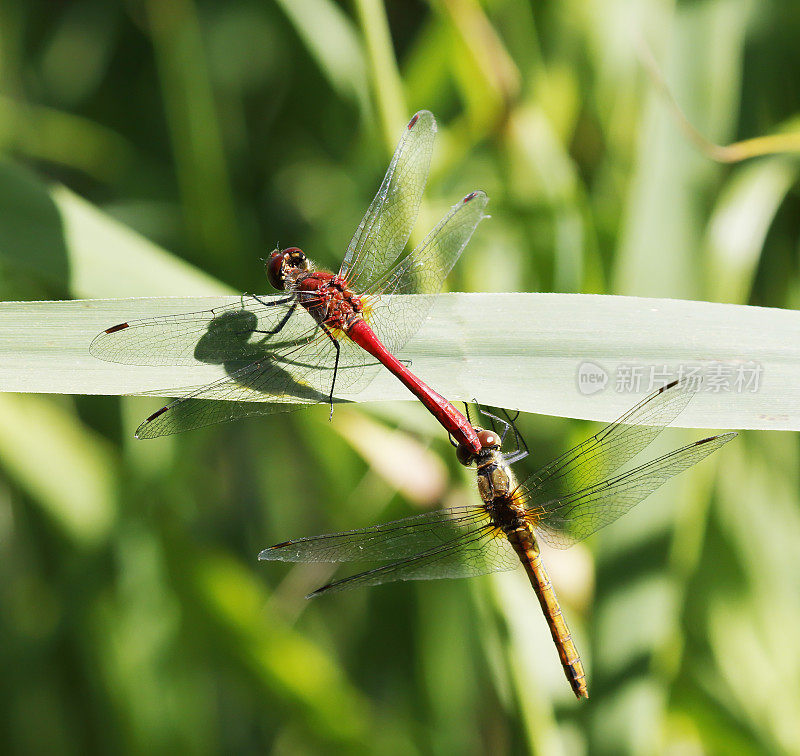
477 553
593 460
386 226
230 332
571 518
281 379
458 542
396 319
273 352
391 540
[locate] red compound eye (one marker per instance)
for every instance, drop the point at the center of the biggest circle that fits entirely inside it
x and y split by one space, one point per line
275 270
280 261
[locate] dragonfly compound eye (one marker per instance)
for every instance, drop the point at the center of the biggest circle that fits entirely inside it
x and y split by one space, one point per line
281 260
465 455
275 270
488 440
296 258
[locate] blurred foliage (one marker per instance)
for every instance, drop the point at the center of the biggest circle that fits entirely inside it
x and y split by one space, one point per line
133 615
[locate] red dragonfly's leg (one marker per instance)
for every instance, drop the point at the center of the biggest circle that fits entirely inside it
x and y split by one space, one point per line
266 303
283 322
327 332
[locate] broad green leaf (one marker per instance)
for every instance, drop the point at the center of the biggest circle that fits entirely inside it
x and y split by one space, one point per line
106 256
545 353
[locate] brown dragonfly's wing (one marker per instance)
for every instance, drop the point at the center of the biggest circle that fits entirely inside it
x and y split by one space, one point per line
573 517
396 319
390 540
281 380
595 459
478 553
458 542
386 226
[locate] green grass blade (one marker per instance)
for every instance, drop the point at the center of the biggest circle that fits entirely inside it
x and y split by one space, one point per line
523 351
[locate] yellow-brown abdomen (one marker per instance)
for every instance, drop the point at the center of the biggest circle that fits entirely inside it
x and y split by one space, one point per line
525 546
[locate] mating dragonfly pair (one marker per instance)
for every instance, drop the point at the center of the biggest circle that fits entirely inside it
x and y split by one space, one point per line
326 337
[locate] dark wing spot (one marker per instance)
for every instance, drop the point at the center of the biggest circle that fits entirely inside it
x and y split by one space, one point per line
116 328
714 438
157 413
319 591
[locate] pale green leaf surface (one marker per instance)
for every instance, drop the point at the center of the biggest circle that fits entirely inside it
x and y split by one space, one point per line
521 351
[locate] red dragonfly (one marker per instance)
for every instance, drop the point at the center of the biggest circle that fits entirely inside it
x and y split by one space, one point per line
289 349
564 502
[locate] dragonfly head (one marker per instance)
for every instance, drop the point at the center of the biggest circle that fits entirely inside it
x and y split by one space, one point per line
489 441
281 261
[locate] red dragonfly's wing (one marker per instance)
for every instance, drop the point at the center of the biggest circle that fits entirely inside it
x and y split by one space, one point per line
374 264
266 372
232 331
277 382
384 230
396 319
458 542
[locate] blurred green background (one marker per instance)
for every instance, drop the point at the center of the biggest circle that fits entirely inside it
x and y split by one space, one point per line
133 614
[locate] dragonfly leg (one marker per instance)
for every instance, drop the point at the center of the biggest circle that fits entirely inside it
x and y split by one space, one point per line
522 445
271 303
327 332
518 454
502 422
285 319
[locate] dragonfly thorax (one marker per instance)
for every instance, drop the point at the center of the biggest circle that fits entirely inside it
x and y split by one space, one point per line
328 300
284 266
495 480
506 511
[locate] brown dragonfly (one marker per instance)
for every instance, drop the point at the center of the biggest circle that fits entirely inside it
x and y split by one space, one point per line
564 502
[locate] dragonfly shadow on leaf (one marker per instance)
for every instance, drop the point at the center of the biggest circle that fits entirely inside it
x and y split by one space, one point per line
229 342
